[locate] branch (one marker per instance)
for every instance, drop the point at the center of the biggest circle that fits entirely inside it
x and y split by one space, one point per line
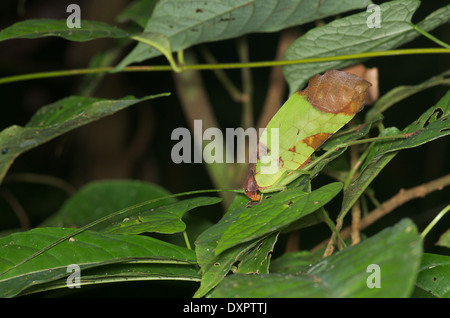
397 200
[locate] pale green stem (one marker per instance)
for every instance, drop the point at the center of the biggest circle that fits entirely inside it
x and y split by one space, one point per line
180 57
223 78
429 36
186 239
435 220
355 168
31 76
352 143
333 227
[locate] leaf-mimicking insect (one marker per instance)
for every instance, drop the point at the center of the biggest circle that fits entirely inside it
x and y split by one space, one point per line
305 121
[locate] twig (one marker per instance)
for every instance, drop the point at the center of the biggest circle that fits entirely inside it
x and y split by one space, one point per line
42 179
247 84
356 209
223 78
17 208
397 200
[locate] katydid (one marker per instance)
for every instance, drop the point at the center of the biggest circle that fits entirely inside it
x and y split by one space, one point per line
303 123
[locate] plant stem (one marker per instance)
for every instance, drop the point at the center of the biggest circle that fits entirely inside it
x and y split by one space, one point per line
397 200
42 179
435 220
247 87
333 227
352 143
156 68
429 36
186 239
223 78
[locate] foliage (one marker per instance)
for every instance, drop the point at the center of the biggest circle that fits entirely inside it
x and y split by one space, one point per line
119 230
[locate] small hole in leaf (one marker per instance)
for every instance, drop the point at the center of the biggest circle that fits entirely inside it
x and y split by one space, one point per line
437 113
217 264
260 245
434 278
444 129
267 197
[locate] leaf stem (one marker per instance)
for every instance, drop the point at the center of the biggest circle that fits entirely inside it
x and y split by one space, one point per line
435 220
394 202
223 78
333 227
186 239
155 68
429 36
352 143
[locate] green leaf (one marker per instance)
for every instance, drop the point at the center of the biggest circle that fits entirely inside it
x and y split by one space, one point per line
215 267
273 214
368 173
396 250
138 11
351 35
186 23
160 42
162 219
444 240
401 92
54 120
340 138
38 28
100 198
257 260
116 273
87 249
295 262
434 277
432 124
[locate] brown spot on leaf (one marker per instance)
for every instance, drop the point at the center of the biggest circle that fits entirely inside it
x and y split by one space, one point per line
305 163
316 140
280 162
336 92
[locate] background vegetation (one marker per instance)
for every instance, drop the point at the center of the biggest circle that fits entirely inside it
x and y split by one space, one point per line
101 155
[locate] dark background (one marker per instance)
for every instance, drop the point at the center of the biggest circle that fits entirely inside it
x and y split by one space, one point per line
99 150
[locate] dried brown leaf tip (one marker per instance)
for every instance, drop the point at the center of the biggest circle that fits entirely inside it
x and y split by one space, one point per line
337 92
370 75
